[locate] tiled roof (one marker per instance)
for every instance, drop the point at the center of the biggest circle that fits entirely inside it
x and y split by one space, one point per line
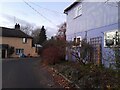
7 32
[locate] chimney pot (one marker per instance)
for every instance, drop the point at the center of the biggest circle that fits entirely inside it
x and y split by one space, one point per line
17 26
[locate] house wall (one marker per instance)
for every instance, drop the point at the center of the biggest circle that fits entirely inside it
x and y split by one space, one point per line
96 18
17 43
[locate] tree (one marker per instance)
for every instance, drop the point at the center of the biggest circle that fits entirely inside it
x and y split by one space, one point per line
27 29
42 36
39 35
35 35
61 34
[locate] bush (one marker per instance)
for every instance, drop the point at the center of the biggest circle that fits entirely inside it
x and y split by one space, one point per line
83 53
10 51
53 51
90 76
50 55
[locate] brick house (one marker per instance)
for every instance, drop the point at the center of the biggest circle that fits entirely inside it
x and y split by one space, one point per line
17 41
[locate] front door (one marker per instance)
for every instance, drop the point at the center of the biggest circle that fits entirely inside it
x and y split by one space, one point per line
3 53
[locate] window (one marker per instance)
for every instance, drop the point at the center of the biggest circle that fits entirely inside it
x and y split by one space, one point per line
24 40
78 11
18 51
77 41
112 38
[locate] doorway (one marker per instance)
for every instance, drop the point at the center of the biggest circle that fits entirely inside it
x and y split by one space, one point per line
3 53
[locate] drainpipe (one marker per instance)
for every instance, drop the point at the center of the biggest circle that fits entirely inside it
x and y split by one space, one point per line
6 55
86 36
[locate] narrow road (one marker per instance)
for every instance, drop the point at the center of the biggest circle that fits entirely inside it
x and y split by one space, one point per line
26 73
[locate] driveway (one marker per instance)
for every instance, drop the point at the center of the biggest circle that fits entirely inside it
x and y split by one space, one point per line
26 73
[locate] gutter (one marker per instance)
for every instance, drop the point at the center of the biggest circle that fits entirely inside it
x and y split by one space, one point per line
71 6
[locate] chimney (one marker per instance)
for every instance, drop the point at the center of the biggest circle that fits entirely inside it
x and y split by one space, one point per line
17 26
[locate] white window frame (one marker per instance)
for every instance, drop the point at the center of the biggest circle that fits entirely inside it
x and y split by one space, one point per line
18 51
24 40
107 34
78 11
76 41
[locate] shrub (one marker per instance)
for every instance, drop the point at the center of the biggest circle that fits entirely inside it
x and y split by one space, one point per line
53 51
82 53
50 55
90 76
10 51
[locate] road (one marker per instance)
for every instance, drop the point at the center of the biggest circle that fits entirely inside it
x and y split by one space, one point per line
26 73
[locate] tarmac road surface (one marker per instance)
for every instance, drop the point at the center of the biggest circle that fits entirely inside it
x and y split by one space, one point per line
26 73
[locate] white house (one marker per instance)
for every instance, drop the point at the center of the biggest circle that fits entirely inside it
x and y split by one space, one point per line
99 23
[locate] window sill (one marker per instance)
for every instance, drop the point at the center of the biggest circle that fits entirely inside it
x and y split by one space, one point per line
77 16
24 42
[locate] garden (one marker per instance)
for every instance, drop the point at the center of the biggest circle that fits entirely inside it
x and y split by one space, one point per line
84 75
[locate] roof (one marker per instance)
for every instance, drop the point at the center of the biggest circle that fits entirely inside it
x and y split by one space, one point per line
7 32
71 6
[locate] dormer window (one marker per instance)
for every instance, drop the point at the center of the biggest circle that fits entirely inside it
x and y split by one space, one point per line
24 40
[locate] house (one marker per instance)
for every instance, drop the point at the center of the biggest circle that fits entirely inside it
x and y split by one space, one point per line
13 42
97 22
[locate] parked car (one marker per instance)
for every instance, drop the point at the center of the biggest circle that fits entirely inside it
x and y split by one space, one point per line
22 55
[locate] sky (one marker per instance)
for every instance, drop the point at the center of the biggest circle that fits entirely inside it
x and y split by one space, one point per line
24 12
35 12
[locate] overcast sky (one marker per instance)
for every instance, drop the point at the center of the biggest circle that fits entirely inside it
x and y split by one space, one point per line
49 14
36 13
